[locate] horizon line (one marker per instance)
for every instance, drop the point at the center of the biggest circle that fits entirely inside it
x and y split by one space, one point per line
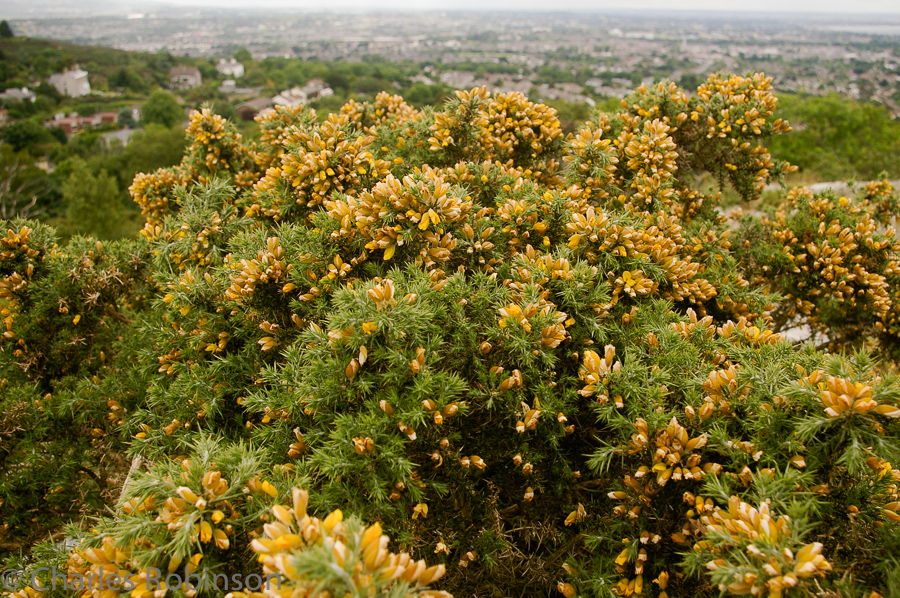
636 11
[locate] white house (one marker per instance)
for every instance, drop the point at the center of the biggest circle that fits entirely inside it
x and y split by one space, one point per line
291 98
185 77
231 68
73 82
315 89
14 93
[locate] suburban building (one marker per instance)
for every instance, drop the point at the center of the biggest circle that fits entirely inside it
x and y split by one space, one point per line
231 68
185 77
74 123
73 82
229 87
313 90
122 136
249 109
14 93
291 98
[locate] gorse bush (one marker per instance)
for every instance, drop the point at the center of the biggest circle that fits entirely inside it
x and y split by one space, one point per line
834 261
544 364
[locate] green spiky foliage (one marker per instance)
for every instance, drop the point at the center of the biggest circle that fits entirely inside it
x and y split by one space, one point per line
64 311
835 262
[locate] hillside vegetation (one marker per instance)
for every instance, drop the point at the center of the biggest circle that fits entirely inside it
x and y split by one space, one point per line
834 138
838 139
541 363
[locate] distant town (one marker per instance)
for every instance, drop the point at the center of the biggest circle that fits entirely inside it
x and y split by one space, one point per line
570 57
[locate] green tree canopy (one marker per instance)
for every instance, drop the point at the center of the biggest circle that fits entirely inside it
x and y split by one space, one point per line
839 138
5 30
92 203
154 147
162 108
25 134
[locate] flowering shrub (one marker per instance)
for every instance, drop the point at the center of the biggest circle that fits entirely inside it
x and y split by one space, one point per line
836 262
545 363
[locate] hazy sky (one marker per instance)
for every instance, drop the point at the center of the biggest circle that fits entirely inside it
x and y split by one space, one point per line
839 6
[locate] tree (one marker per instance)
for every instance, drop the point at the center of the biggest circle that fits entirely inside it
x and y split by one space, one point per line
21 186
226 110
128 78
838 138
5 30
162 108
92 202
154 147
24 134
49 91
126 119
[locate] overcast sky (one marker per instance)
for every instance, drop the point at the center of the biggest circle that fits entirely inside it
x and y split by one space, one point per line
833 6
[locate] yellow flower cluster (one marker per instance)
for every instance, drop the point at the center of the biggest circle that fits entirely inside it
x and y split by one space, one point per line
721 385
883 469
268 267
518 129
650 153
845 259
596 370
450 130
775 568
879 201
216 148
26 592
742 105
841 397
551 322
319 161
544 268
205 509
104 562
358 557
634 284
752 94
674 457
506 128
276 127
592 161
593 232
15 245
729 112
155 192
16 242
15 251
744 330
524 219
385 110
418 211
485 180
